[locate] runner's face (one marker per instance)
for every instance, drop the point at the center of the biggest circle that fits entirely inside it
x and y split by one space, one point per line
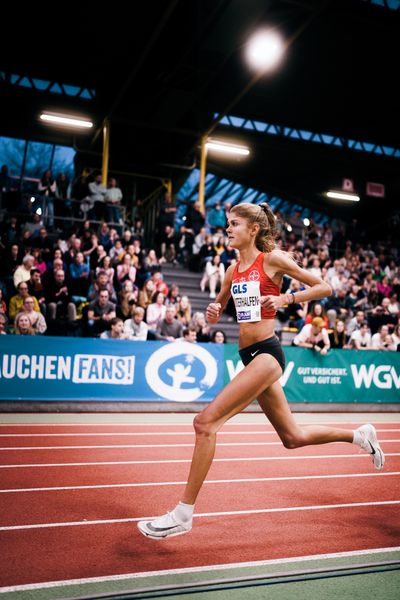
238 231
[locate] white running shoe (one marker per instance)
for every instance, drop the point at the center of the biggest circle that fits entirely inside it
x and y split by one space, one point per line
369 443
162 527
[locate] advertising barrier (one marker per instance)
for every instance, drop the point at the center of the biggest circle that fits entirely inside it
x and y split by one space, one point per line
85 369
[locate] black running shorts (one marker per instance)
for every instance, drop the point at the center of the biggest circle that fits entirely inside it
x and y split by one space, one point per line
270 346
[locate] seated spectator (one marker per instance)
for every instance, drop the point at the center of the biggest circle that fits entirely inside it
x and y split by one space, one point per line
202 329
116 252
36 289
337 337
102 283
169 328
23 325
360 339
355 322
104 235
335 306
293 314
58 298
39 263
43 243
184 311
79 278
116 332
313 336
394 305
382 340
128 303
167 245
189 335
396 337
3 305
135 328
159 283
184 244
36 318
213 275
146 294
106 267
218 337
156 310
379 316
317 310
173 296
229 256
384 288
219 245
151 262
23 272
216 217
100 312
3 324
17 301
126 270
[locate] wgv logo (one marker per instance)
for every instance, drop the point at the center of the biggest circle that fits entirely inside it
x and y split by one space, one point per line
383 377
181 371
239 288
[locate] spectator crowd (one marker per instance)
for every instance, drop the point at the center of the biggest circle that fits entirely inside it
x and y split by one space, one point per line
94 277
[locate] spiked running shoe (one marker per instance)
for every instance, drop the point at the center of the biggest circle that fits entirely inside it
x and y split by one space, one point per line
162 527
369 443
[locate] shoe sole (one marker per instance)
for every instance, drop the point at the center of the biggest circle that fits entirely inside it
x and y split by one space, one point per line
378 451
160 537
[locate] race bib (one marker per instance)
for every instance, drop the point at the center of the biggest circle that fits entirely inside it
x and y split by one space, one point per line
246 296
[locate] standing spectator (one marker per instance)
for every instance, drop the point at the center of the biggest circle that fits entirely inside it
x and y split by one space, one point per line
135 328
79 277
167 213
113 198
194 217
97 193
63 199
47 189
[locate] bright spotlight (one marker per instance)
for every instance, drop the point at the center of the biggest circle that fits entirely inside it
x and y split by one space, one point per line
33 199
264 50
65 120
306 222
289 228
39 211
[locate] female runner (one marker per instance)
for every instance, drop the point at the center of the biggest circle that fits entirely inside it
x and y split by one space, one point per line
254 283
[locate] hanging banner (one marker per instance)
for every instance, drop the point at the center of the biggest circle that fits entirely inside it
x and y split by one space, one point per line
85 369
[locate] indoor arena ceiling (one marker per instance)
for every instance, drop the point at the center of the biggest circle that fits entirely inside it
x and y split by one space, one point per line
161 70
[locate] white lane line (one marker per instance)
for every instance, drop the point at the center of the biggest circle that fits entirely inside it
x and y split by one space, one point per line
205 568
157 445
212 481
227 513
149 433
189 460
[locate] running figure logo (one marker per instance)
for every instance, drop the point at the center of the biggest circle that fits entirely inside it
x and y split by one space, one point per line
181 372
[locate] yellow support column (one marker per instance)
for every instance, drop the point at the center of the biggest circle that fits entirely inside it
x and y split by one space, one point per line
106 151
203 162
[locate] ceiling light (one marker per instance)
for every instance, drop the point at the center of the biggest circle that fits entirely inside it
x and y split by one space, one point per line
343 196
227 148
306 222
68 121
264 50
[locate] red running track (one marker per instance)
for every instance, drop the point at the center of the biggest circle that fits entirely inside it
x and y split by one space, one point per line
52 553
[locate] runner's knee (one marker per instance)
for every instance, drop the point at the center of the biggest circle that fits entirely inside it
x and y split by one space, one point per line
294 439
203 426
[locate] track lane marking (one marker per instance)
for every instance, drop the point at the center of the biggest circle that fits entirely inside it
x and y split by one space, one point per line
207 481
157 445
202 569
150 433
228 513
189 460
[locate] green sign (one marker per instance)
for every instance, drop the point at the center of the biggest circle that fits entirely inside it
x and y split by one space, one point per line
340 376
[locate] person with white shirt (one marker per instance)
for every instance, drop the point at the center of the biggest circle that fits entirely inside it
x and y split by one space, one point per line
382 340
135 328
360 339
